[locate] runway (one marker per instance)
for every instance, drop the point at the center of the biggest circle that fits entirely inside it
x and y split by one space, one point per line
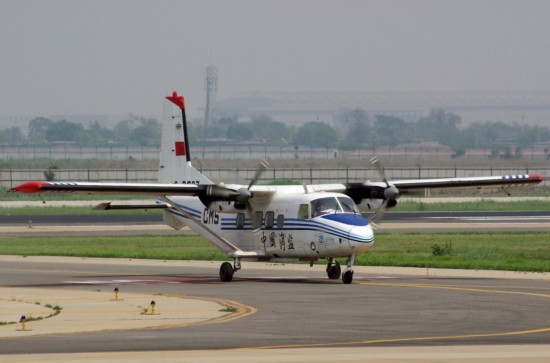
294 306
393 222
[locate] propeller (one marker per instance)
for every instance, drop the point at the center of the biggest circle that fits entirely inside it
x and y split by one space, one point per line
391 194
244 193
219 192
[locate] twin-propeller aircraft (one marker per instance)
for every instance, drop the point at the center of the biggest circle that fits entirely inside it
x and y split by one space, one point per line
266 223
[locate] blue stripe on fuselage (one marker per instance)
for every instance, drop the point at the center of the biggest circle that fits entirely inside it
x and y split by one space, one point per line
347 218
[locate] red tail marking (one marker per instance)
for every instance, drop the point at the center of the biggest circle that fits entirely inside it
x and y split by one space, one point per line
180 148
29 187
177 100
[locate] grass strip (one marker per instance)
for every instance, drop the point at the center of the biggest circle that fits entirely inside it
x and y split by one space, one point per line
482 205
523 251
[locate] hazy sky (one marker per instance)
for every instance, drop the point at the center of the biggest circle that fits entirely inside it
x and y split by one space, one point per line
117 57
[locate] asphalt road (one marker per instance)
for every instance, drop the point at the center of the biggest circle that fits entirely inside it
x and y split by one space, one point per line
296 307
393 222
394 217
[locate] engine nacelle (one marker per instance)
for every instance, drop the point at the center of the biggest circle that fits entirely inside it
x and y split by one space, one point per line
226 207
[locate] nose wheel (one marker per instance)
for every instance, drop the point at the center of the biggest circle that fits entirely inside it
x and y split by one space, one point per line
347 276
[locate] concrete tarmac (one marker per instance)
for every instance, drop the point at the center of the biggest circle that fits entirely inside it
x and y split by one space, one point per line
279 313
270 312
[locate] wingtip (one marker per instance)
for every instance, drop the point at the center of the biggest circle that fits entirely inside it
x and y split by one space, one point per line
537 177
29 187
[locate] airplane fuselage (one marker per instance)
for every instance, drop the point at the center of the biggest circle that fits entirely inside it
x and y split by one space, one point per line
287 227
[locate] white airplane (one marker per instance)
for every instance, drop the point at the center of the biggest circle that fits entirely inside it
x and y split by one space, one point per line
266 223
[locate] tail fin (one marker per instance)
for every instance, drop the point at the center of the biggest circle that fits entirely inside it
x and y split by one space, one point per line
175 160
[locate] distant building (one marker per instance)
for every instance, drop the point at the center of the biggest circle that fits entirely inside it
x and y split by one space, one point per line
300 107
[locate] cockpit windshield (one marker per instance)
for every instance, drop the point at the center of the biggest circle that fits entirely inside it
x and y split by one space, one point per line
348 205
329 205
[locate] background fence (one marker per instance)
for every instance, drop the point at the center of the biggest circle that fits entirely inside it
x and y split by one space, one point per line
13 177
247 152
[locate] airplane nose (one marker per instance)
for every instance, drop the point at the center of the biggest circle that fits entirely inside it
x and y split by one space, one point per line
361 238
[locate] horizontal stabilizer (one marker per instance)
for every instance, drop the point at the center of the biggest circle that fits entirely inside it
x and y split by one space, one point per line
110 206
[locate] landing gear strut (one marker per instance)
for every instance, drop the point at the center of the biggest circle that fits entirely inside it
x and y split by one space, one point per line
347 276
333 269
226 270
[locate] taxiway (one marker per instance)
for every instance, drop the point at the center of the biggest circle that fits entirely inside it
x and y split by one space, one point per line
286 306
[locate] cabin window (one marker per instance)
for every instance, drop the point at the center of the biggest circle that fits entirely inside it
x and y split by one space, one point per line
280 221
269 219
240 220
303 211
257 219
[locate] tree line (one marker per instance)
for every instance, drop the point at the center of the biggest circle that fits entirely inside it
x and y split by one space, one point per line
356 130
41 131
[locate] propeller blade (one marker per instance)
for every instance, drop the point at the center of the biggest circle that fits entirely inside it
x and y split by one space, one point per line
376 218
380 168
391 193
261 168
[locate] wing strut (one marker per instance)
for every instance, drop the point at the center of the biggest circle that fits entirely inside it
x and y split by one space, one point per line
229 248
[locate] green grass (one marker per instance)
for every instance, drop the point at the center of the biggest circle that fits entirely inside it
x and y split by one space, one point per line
479 206
523 251
143 246
518 251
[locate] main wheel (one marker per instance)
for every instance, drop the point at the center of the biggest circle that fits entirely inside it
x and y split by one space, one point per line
226 272
347 277
333 271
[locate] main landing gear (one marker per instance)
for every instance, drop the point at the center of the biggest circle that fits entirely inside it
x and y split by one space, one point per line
333 269
226 270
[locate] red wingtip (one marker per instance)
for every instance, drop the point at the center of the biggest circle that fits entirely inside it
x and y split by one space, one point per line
29 187
537 177
177 100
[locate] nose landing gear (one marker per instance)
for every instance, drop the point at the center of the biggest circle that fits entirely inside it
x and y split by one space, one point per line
347 276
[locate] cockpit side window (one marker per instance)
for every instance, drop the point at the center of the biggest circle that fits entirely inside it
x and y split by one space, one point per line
303 211
324 206
348 206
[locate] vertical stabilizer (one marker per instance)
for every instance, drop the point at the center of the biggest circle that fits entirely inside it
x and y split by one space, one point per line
175 159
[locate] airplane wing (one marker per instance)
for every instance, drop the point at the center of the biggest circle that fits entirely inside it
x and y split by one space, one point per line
111 188
261 194
406 186
207 193
212 191
393 189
